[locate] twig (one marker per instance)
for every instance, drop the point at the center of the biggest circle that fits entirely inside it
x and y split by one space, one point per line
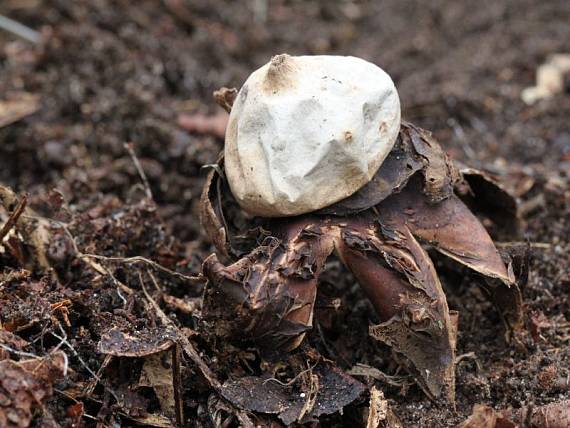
13 217
292 381
531 244
21 353
139 259
140 170
177 385
83 363
470 356
373 372
19 30
88 390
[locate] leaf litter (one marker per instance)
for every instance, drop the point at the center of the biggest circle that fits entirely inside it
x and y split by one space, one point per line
86 281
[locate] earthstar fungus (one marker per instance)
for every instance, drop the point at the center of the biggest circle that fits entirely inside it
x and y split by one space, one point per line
262 283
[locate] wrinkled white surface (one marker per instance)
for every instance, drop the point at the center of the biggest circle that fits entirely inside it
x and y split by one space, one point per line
308 131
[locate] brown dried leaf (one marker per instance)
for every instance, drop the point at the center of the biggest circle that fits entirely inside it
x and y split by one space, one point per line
138 343
380 415
266 395
482 417
225 97
157 374
153 420
14 110
24 386
48 369
45 241
554 415
12 340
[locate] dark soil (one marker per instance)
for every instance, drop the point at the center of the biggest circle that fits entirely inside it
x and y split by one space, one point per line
111 72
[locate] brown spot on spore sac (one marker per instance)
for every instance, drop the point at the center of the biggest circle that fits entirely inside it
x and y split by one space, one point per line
279 73
348 137
351 173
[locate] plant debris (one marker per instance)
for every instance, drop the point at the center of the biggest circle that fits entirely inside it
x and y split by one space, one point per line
83 237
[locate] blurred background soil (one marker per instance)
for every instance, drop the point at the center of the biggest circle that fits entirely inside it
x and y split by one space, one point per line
121 71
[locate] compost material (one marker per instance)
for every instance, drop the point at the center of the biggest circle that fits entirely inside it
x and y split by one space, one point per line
101 301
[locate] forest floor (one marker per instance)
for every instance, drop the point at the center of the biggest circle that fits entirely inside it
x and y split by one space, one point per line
110 72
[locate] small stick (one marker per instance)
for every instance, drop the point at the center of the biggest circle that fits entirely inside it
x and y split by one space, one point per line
531 244
82 361
177 385
140 259
13 217
130 149
20 30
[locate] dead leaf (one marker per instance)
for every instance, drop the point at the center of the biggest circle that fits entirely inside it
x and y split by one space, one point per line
45 244
157 374
225 97
11 340
24 386
266 395
553 415
482 417
138 343
16 109
153 420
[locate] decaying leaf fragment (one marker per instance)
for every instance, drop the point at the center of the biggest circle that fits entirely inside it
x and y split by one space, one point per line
323 390
553 415
45 243
138 343
158 376
16 109
267 295
24 387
